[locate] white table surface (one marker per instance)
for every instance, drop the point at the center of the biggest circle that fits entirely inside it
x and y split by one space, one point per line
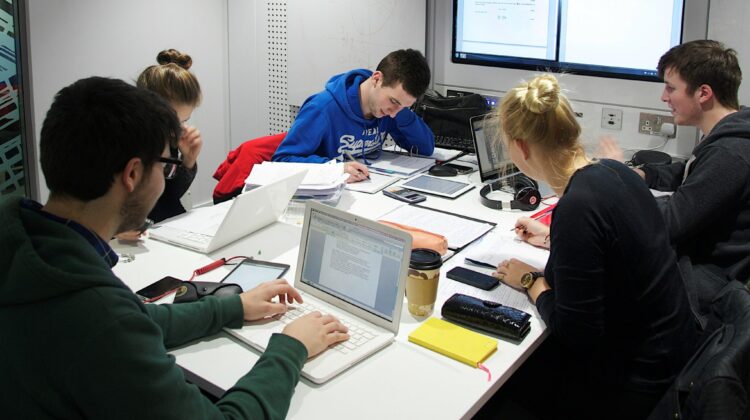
403 380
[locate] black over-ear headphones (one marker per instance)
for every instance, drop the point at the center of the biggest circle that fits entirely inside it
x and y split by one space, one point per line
526 194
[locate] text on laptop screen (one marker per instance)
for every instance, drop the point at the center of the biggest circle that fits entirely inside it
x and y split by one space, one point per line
490 156
354 263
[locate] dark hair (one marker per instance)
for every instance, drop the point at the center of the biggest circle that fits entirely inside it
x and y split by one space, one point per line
171 78
94 127
706 62
408 67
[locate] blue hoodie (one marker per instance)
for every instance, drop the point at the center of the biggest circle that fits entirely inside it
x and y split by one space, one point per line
331 123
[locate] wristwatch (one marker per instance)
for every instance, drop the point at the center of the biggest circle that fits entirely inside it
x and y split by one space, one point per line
528 279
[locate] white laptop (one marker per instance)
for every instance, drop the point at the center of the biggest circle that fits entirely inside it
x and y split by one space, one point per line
350 267
209 228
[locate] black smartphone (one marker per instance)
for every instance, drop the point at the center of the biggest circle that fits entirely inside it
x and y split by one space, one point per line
159 289
403 194
472 278
250 273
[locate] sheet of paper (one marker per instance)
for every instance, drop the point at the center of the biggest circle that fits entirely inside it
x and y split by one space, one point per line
498 246
457 230
376 183
317 173
437 153
501 294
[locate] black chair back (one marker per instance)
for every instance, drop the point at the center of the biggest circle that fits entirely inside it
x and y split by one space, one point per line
715 383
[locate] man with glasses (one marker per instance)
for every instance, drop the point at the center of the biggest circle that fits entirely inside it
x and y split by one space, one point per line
76 341
358 111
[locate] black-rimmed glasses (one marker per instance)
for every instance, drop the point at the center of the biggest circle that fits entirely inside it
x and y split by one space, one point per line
170 166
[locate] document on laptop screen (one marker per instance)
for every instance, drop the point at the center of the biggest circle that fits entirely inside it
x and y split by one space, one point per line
354 263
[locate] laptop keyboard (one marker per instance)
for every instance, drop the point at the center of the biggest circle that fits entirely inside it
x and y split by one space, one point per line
358 333
198 238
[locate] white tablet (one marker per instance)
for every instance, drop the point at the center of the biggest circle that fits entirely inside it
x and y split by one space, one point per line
437 186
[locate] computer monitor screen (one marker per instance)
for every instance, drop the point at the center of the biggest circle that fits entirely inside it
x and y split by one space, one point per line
491 157
612 38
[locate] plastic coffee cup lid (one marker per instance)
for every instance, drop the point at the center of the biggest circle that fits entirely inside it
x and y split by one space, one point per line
425 259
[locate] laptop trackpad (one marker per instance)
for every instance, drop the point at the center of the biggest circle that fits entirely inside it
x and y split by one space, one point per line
262 335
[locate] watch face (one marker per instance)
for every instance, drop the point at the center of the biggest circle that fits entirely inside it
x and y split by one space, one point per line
526 280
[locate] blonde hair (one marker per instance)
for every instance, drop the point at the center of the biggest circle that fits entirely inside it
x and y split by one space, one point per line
171 78
539 113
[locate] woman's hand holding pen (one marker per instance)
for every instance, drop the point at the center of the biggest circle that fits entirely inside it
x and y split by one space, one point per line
532 231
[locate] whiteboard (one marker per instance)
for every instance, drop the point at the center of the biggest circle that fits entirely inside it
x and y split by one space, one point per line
328 37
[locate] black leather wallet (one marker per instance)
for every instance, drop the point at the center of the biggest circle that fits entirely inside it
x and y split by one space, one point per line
190 291
485 315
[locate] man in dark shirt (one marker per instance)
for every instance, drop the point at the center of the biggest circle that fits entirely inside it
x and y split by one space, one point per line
77 342
708 215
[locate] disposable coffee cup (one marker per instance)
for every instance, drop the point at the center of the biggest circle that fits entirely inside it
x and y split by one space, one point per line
422 281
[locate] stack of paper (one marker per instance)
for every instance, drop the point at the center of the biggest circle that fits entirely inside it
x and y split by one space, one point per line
323 181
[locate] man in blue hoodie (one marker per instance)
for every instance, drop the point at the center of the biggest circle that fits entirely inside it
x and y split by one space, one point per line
358 111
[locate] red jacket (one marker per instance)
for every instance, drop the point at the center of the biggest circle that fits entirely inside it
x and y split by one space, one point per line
232 172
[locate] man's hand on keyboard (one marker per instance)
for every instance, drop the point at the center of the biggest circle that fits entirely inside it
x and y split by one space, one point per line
258 302
317 332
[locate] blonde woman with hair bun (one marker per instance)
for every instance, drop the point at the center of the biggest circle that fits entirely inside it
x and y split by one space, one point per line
171 79
611 294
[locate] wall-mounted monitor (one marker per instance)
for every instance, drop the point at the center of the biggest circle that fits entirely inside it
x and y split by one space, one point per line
612 38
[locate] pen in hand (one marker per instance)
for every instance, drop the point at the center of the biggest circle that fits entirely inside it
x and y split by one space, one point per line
351 158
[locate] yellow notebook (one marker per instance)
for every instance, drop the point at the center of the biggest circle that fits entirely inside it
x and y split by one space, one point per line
453 341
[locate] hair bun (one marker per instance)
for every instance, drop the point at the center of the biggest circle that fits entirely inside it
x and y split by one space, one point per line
173 56
542 94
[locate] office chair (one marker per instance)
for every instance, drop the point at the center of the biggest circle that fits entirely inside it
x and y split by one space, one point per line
715 383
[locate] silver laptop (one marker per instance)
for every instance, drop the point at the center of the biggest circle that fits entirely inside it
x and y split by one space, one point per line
491 158
350 267
209 228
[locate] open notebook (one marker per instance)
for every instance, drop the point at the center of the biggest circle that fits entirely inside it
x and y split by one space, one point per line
350 267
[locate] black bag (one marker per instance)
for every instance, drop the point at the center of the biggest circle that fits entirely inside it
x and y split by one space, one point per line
449 117
190 291
489 316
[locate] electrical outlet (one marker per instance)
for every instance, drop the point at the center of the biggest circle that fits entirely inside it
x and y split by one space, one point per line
651 123
612 118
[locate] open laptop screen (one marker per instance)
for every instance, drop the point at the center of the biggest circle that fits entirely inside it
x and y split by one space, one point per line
490 156
355 263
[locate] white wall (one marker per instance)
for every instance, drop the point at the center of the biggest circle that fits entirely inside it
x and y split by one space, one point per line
72 39
728 23
248 93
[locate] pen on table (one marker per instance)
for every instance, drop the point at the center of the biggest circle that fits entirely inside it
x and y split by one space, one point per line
349 155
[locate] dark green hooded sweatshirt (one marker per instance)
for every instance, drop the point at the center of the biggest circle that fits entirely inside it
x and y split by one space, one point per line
77 343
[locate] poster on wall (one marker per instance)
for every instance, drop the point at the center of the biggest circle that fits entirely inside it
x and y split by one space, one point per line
11 142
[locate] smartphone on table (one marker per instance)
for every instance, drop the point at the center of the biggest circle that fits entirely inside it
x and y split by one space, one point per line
403 194
159 289
472 278
250 273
